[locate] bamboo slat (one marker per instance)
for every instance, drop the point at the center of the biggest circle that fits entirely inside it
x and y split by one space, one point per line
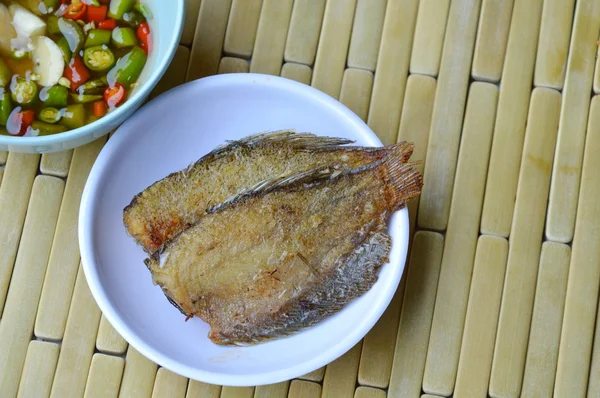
242 26
368 392
417 311
581 303
492 35
305 28
270 38
366 34
15 191
461 241
189 25
304 389
237 392
205 53
390 79
315 375
105 376
509 130
3 157
197 389
544 337
233 65
16 327
333 46
597 73
56 163
566 175
448 112
64 257
279 390
340 375
298 72
138 377
175 74
594 380
356 91
169 384
109 340
77 347
39 368
553 48
482 317
1 174
429 37
415 125
526 240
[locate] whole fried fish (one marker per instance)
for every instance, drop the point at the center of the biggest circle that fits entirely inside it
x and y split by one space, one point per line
288 252
167 207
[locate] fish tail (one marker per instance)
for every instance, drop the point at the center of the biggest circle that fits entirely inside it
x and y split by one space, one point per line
405 180
293 139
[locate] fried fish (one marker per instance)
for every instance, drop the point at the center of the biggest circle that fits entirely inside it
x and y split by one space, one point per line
287 252
176 202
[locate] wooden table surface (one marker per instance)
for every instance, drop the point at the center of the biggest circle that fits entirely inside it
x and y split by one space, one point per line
501 291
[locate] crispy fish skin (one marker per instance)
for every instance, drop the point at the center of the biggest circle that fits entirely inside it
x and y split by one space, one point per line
176 202
282 257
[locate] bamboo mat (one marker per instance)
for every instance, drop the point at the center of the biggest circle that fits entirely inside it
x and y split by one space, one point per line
501 291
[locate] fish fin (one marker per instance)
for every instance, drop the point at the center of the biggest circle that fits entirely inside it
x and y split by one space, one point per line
265 186
404 178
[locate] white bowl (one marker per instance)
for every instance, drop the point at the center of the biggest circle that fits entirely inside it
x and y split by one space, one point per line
166 24
166 135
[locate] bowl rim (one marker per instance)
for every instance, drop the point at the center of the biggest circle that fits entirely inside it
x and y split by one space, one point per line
91 195
160 68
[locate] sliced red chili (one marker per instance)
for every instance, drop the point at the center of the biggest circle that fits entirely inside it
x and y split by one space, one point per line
19 121
143 33
76 11
77 73
96 14
114 96
107 24
99 108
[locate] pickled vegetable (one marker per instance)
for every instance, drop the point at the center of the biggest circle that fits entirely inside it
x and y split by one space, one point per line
23 91
49 115
85 98
124 37
98 58
48 61
74 116
56 96
42 128
97 37
6 107
128 69
4 74
73 33
119 7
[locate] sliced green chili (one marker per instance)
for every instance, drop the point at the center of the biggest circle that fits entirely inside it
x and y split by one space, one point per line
47 128
5 74
49 115
123 37
23 91
74 116
55 96
143 9
73 32
128 68
64 47
6 107
119 7
96 86
51 5
85 98
133 19
52 25
97 37
98 58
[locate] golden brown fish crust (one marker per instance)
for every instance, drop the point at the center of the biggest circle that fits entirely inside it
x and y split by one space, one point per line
176 202
283 256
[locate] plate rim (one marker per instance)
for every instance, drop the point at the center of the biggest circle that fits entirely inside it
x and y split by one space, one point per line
90 196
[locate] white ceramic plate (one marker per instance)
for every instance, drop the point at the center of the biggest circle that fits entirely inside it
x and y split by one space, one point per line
168 134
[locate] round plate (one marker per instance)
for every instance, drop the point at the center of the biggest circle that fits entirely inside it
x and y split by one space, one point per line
167 135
